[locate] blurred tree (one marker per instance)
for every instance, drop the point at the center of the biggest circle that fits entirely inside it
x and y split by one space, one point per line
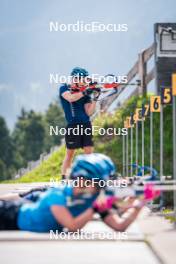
29 136
6 149
54 117
3 171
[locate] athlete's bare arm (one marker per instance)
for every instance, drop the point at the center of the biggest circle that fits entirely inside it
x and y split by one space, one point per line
72 97
90 108
63 216
121 223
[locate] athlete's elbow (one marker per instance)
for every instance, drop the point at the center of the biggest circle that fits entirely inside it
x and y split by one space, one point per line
121 228
72 227
70 99
89 112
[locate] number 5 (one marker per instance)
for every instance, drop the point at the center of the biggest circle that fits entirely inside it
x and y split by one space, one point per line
166 96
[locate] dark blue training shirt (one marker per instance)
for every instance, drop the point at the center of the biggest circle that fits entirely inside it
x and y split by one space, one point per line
74 112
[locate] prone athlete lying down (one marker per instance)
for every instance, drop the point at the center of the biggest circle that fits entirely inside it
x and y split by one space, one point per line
69 206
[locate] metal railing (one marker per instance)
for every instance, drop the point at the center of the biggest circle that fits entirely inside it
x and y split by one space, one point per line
33 164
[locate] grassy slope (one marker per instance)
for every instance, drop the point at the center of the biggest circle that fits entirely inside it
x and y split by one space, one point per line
49 168
112 146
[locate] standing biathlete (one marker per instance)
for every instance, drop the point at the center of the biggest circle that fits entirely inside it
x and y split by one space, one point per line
78 107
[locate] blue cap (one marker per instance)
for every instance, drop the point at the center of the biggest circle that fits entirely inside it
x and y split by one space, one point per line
79 72
93 166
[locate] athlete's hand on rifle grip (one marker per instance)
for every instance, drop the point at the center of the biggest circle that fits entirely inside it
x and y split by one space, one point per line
96 95
150 193
106 204
88 91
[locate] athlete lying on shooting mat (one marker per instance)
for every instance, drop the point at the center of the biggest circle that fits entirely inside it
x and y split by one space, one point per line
69 206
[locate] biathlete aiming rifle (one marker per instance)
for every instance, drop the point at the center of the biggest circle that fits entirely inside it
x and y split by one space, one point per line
97 88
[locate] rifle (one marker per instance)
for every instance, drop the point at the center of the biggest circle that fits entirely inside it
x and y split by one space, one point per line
101 87
144 188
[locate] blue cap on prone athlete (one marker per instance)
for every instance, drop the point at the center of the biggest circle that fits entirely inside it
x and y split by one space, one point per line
79 72
93 166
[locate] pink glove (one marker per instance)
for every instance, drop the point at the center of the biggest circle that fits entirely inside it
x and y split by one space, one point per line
150 193
106 204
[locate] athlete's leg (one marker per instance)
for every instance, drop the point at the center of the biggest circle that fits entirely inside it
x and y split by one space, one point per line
87 140
8 214
34 192
88 149
67 160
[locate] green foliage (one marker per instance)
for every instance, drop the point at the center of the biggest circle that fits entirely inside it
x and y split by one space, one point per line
6 151
169 215
113 145
6 146
3 170
54 117
29 138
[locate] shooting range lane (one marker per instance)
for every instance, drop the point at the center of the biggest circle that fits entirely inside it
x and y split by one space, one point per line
76 252
44 250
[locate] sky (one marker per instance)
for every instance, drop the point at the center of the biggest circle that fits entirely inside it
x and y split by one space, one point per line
29 52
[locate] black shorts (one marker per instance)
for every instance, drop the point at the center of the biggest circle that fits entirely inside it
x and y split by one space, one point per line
9 214
79 136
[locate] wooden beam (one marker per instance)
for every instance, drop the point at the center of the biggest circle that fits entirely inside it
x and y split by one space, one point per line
150 76
140 67
148 53
142 71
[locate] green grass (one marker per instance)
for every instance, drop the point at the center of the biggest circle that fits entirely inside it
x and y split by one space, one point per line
49 168
171 218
